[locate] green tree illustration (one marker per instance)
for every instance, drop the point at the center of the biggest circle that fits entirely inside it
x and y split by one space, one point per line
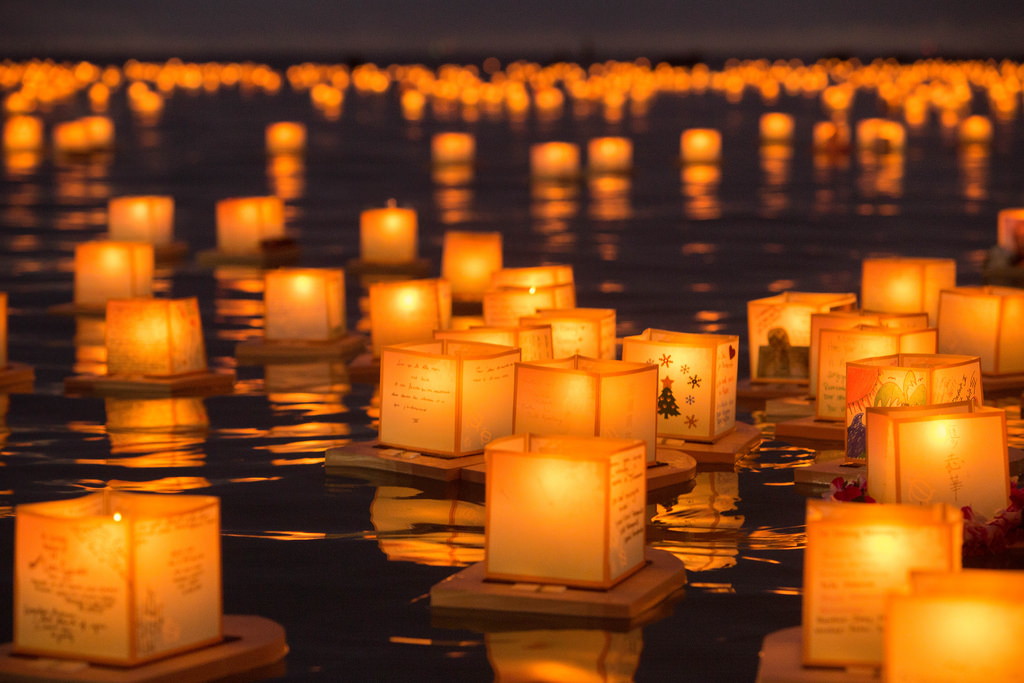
666 400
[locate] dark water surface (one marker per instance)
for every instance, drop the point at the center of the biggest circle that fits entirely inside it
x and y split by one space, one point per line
345 564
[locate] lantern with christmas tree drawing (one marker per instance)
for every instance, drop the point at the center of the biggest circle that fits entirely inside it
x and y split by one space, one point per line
667 406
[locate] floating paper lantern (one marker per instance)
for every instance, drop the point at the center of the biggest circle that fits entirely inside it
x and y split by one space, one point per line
955 626
141 218
947 453
780 332
23 133
516 292
555 160
856 556
837 347
588 397
564 510
388 235
776 128
408 310
535 276
1010 231
975 130
534 341
880 136
584 331
830 138
986 322
905 379
285 137
117 578
453 149
450 398
246 224
700 146
905 285
304 304
610 155
469 261
84 135
697 381
154 337
106 270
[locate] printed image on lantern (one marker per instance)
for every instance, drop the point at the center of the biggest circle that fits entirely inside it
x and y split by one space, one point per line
578 331
469 261
555 161
453 149
986 322
905 379
23 133
953 453
609 155
534 341
106 270
905 285
250 231
779 329
408 310
856 556
588 397
564 655
285 137
129 548
776 128
955 626
700 146
447 398
696 394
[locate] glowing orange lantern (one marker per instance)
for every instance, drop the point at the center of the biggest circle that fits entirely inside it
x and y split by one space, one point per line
975 130
388 235
306 304
780 332
117 578
408 311
830 138
946 453
142 218
588 397
445 397
106 270
453 149
564 510
246 224
154 337
1010 231
610 155
517 292
986 322
700 146
880 136
776 128
285 137
697 387
555 160
857 555
584 331
469 261
534 341
23 133
905 285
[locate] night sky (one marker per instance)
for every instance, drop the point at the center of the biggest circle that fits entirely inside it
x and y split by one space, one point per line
529 28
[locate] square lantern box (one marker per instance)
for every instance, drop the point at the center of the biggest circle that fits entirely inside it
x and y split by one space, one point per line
610 155
697 387
776 128
578 331
858 554
109 270
956 626
779 330
453 149
986 322
247 225
285 137
555 161
505 307
533 341
953 453
469 261
839 347
564 510
700 146
117 578
408 311
389 235
905 379
905 285
588 397
142 218
447 398
23 133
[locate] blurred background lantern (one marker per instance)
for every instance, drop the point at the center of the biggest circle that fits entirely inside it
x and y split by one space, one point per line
905 285
987 322
388 235
408 310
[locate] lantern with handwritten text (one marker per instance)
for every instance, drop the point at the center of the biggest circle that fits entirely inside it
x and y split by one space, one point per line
469 261
779 329
533 340
141 218
697 387
452 149
388 235
700 146
564 510
986 322
905 285
285 137
305 304
154 337
610 155
449 398
856 556
408 310
952 453
106 269
117 578
246 224
583 331
555 161
588 397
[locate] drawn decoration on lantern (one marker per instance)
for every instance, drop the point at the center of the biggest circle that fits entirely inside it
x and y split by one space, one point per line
578 331
469 261
906 285
117 578
408 311
987 322
534 341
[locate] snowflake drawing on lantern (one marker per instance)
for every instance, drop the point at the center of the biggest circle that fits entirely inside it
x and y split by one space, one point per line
691 421
690 399
694 382
684 369
665 360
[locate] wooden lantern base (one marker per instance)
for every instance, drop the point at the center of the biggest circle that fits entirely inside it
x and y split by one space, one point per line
283 252
469 593
16 375
810 430
252 646
781 662
822 472
725 451
256 351
412 269
371 455
192 384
